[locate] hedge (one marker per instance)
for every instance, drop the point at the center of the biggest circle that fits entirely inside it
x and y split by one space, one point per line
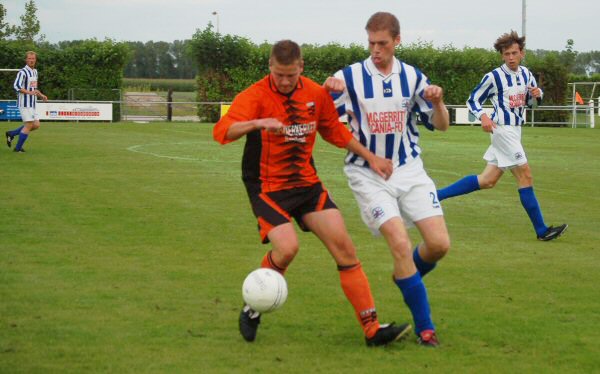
95 67
228 64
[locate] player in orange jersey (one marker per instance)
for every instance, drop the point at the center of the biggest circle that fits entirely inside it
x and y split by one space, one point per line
280 116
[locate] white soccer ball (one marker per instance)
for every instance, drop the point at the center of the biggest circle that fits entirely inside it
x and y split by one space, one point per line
264 290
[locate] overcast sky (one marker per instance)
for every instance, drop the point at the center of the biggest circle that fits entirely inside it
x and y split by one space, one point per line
475 23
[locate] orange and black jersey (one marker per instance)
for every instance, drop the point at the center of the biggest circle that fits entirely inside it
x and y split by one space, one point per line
279 161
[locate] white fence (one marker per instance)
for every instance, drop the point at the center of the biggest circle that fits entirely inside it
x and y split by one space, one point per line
577 115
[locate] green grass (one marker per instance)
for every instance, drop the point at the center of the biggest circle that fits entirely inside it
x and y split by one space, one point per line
123 248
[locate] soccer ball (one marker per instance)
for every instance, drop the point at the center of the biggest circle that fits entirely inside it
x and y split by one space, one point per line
264 290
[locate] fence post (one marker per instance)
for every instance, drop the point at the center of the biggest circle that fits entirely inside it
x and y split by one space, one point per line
169 104
592 114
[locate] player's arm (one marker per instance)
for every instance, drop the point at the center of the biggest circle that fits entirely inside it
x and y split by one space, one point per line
242 118
39 94
336 133
336 87
440 118
382 166
480 94
238 129
534 90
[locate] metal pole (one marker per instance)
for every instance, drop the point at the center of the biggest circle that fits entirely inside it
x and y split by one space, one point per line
524 18
574 108
215 13
592 114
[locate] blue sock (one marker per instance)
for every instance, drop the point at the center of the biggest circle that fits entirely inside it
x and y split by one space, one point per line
22 138
15 132
415 296
531 205
422 266
462 186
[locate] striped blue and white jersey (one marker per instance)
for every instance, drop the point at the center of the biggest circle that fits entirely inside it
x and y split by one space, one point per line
383 110
26 78
508 92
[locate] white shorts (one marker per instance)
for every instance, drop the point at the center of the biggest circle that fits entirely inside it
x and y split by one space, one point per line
409 194
506 150
28 114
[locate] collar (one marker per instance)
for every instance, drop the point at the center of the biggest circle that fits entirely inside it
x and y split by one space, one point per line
508 70
371 69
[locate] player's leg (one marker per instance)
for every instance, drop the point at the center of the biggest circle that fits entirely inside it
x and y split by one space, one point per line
531 205
285 246
10 135
489 176
471 183
436 243
275 226
408 279
23 135
328 225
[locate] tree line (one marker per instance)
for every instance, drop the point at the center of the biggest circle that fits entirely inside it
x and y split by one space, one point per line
161 59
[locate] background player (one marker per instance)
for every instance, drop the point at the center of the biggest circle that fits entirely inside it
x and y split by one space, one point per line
383 98
280 116
509 87
26 85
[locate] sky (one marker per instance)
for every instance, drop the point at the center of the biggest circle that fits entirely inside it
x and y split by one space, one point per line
460 23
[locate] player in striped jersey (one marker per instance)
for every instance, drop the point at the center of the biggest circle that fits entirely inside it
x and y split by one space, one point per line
26 85
510 88
383 98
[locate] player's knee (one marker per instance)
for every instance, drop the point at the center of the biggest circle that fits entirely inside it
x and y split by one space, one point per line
526 180
287 252
439 247
401 249
486 183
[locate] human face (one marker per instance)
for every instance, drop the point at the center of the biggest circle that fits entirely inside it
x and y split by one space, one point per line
30 60
285 77
512 56
382 46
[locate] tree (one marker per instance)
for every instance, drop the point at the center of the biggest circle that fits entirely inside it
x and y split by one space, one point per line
6 30
30 25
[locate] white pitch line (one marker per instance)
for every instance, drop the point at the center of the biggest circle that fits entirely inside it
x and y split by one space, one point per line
135 149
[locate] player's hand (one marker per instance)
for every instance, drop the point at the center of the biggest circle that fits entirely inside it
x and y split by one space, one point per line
269 124
43 97
535 92
333 84
433 93
487 124
382 166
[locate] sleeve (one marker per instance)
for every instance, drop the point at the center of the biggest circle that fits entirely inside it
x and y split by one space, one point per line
19 81
341 100
329 125
422 106
245 107
533 83
480 94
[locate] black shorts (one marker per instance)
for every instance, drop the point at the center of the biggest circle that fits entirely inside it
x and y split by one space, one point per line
276 208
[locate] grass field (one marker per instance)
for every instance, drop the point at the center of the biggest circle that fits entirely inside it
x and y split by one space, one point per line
123 248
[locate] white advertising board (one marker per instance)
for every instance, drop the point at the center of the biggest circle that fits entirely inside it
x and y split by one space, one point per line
75 111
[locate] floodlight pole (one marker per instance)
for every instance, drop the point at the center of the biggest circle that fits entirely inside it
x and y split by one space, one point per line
215 13
523 17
